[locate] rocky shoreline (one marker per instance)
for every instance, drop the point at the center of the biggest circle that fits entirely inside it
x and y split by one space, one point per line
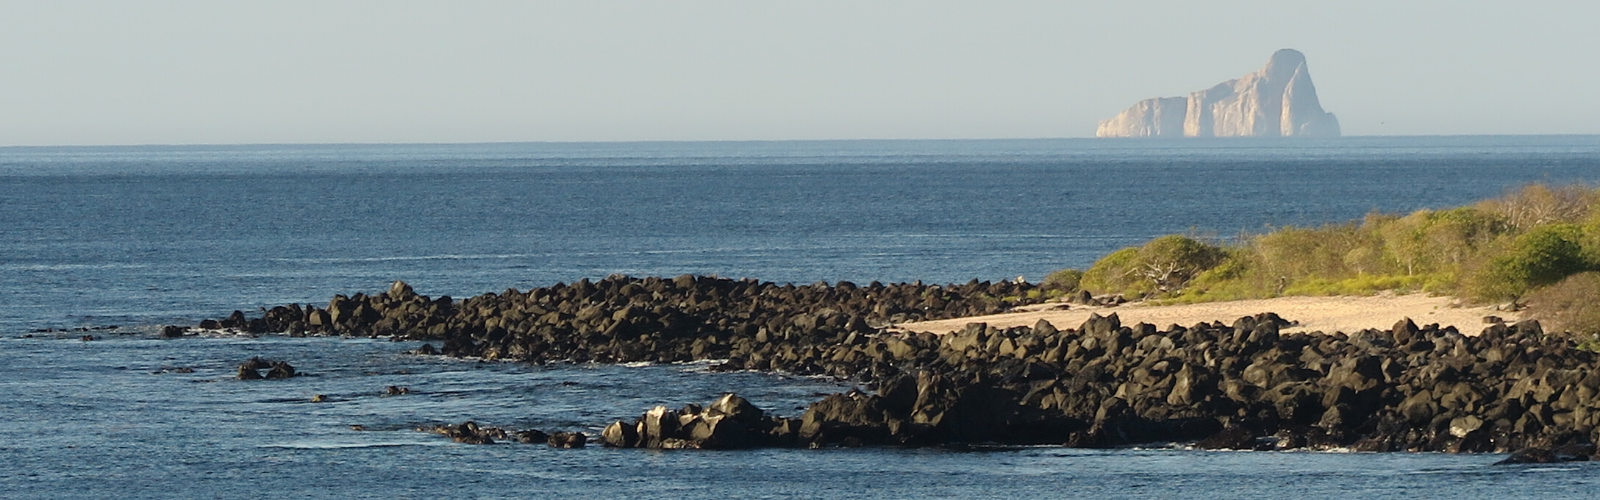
1101 384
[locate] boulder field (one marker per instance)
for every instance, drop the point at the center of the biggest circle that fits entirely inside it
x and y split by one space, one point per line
1102 384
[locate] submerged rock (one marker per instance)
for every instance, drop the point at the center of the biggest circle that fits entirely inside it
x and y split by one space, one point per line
253 368
567 440
532 436
470 433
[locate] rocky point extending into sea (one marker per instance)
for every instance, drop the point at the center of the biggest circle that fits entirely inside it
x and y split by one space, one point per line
1099 384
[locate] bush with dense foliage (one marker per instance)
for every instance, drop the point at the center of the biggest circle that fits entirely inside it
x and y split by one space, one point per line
1164 266
1062 282
1491 251
1542 256
1569 305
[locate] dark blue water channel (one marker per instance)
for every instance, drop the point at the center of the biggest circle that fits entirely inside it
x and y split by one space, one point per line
141 236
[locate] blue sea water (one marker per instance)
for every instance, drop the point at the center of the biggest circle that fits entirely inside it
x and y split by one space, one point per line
142 236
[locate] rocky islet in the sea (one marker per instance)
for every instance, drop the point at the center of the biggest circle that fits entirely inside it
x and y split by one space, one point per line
1102 384
1278 100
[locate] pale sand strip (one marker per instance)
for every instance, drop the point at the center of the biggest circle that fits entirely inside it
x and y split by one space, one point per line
1325 314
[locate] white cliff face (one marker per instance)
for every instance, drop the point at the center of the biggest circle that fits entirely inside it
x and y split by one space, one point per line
1156 117
1277 101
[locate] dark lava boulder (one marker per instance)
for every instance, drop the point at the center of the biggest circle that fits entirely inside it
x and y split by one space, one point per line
531 436
730 422
1530 456
262 369
567 439
281 370
1231 438
469 433
840 416
620 435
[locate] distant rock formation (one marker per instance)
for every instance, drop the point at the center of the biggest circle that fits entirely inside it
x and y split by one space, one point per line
1277 101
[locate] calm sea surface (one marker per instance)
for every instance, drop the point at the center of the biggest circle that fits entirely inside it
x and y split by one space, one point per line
142 236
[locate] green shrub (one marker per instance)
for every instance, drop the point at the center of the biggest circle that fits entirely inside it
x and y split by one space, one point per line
1365 284
1062 282
1162 266
1439 241
1490 251
1110 272
1570 305
1237 276
1590 241
1541 256
1291 252
1366 259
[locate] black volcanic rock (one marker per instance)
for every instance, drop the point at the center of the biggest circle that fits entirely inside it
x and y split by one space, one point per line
1240 385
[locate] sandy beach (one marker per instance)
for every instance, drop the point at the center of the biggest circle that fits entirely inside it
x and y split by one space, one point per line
1326 314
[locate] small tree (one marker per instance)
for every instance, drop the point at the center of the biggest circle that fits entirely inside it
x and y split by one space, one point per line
1540 204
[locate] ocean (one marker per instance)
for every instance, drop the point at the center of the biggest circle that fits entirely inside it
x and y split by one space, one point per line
140 237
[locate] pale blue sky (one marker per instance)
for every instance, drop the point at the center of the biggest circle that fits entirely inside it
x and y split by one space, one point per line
166 72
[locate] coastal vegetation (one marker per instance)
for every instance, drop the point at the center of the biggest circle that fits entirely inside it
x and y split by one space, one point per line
1239 386
1537 246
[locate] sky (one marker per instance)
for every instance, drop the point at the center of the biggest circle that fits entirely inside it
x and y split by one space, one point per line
208 72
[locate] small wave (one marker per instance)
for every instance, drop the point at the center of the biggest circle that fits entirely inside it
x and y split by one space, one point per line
702 362
68 267
1191 447
325 445
1479 468
347 260
1159 447
987 236
1537 470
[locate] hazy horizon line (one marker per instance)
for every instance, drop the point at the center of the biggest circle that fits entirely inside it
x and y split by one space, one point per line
755 141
